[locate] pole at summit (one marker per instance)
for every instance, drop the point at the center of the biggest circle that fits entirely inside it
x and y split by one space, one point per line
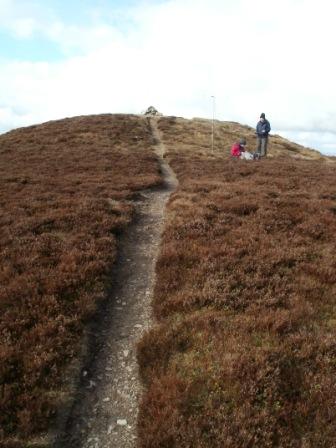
213 123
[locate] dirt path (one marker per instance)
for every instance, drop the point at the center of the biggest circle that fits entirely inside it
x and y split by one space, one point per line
105 410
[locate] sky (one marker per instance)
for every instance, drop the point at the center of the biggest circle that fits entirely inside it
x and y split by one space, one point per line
63 58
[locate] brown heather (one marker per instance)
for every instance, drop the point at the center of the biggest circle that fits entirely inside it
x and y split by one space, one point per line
65 191
244 351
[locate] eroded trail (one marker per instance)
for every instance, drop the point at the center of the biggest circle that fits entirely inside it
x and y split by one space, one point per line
106 407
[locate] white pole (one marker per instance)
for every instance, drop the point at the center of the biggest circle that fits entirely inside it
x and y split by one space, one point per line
213 122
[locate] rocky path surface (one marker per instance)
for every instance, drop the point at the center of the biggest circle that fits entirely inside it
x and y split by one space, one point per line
104 414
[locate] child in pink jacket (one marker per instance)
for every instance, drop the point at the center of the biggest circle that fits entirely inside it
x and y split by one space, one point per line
238 150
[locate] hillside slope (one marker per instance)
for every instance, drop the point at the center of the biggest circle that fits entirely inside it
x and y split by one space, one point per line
243 353
65 192
196 134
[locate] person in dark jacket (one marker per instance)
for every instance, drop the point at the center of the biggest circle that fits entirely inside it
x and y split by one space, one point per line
262 130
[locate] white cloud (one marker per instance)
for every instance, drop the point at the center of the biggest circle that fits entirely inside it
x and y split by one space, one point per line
20 19
253 56
23 27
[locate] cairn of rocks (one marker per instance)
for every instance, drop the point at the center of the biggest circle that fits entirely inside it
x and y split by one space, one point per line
152 112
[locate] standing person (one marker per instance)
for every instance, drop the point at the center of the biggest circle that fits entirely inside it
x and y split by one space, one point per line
262 130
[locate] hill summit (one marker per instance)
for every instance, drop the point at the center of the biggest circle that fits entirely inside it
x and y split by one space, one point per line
196 131
244 345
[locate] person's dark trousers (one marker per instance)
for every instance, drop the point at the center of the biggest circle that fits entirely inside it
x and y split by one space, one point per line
262 146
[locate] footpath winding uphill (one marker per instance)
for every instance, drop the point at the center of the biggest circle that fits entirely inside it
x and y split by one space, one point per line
105 410
216 308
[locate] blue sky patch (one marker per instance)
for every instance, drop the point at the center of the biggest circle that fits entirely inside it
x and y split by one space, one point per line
29 49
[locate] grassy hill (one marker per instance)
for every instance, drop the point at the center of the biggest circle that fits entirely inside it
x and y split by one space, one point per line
196 134
244 349
66 190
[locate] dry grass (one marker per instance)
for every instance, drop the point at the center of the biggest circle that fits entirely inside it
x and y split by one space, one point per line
244 353
195 135
65 191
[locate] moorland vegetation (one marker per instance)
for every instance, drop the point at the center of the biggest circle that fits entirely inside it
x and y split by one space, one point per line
66 190
244 350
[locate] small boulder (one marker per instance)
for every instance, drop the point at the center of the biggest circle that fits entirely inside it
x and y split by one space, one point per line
121 422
